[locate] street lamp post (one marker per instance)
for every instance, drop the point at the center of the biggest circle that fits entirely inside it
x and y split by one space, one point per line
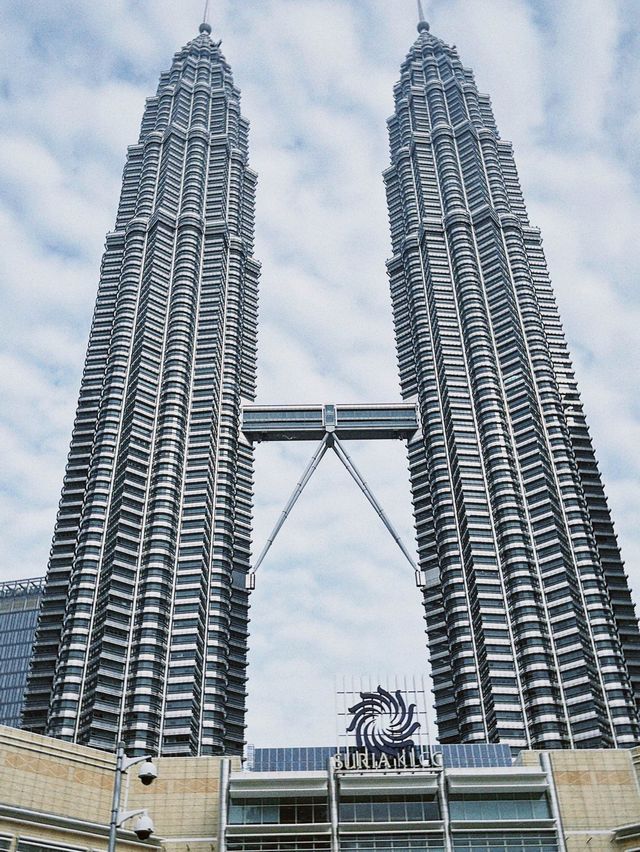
147 774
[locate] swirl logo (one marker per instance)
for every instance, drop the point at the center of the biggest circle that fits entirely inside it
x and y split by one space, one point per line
383 723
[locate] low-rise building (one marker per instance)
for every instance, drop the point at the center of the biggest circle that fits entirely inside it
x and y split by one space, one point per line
598 794
56 797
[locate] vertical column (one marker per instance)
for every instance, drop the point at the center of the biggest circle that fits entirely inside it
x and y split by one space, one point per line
223 803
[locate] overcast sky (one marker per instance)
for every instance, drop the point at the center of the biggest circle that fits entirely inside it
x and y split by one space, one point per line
335 596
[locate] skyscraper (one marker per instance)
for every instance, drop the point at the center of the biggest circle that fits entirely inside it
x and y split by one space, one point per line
532 633
19 604
143 627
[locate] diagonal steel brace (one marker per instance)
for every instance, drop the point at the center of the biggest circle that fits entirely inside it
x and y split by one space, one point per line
330 440
347 461
322 448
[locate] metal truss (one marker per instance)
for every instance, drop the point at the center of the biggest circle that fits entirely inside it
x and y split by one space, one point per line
331 441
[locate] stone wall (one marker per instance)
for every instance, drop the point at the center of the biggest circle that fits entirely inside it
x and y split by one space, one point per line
598 792
60 792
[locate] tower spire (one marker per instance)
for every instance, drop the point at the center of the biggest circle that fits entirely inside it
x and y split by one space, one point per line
205 26
423 25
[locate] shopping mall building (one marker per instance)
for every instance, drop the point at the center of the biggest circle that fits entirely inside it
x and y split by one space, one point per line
56 797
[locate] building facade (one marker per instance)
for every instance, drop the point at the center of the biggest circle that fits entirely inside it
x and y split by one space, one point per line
474 797
143 626
19 604
56 797
476 801
443 809
532 633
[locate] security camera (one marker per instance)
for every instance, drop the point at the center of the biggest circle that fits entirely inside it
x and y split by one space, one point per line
147 773
144 827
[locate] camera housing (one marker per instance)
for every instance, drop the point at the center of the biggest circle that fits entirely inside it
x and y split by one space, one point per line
144 827
147 773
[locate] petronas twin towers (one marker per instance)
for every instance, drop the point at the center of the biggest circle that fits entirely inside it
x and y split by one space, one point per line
143 625
143 628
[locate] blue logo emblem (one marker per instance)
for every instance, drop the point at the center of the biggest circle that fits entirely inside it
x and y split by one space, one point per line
383 723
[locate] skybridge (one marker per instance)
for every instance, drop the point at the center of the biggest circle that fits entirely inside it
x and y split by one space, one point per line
312 422
331 425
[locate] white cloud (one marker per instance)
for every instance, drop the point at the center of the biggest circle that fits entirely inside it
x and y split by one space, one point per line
582 62
317 79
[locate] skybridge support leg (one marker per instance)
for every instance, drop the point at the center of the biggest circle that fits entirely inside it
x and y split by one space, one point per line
331 441
306 476
362 485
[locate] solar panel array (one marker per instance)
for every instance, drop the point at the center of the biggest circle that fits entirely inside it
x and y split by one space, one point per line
475 755
314 759
311 759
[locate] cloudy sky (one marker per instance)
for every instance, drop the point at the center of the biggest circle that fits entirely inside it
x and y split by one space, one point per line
334 596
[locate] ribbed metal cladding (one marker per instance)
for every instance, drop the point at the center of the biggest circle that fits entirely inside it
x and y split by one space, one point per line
143 628
532 633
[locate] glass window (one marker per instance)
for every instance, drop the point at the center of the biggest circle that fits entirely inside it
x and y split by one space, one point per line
396 811
363 811
499 806
379 811
274 811
287 814
393 843
508 841
412 808
347 811
415 811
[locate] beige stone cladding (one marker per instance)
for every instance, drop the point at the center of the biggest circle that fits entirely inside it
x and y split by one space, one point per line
598 794
60 793
636 761
185 801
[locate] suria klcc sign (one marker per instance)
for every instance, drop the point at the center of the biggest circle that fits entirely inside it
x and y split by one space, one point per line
384 733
